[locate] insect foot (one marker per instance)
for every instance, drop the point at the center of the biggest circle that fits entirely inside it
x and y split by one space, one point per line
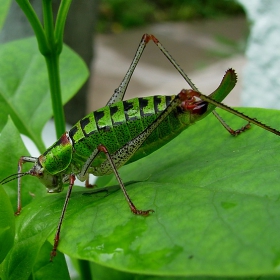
55 244
144 213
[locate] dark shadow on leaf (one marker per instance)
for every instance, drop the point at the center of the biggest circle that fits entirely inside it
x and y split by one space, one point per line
108 190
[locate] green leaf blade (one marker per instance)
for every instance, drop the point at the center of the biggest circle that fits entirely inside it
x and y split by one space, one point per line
11 149
24 85
7 224
216 202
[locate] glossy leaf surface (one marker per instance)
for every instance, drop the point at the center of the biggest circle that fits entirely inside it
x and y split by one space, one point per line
24 84
216 202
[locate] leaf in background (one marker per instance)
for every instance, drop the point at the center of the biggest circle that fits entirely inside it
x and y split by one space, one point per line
216 202
44 269
27 251
24 88
11 149
7 224
4 9
36 263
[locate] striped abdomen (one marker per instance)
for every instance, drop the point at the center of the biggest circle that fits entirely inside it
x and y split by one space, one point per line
113 126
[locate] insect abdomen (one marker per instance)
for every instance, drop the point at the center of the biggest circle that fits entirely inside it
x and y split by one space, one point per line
113 126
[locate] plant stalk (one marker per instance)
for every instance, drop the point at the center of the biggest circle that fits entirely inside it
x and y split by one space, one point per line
52 62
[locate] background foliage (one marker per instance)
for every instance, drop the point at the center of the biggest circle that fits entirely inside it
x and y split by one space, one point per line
116 15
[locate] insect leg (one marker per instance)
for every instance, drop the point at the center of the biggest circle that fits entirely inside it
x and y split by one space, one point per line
21 161
228 128
132 207
112 166
173 62
56 238
120 91
237 113
88 185
209 99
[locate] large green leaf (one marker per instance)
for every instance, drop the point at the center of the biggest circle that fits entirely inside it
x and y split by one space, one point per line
7 224
11 149
44 269
216 202
36 258
24 84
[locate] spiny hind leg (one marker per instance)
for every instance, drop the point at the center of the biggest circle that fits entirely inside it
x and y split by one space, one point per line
120 91
228 128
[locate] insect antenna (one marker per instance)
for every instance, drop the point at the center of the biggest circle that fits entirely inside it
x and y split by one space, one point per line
13 177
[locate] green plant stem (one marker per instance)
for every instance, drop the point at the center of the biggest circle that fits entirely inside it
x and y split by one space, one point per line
52 62
48 23
60 22
50 45
36 25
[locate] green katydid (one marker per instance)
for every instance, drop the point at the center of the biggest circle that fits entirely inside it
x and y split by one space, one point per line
123 132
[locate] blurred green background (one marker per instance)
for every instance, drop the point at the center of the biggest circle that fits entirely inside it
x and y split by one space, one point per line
117 15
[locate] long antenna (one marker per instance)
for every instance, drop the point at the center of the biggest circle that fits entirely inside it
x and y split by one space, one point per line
13 177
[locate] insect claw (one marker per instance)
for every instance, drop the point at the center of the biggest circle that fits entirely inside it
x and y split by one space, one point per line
53 254
17 213
142 212
147 212
242 129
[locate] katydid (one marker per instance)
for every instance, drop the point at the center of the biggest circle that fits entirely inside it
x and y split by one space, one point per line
123 132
